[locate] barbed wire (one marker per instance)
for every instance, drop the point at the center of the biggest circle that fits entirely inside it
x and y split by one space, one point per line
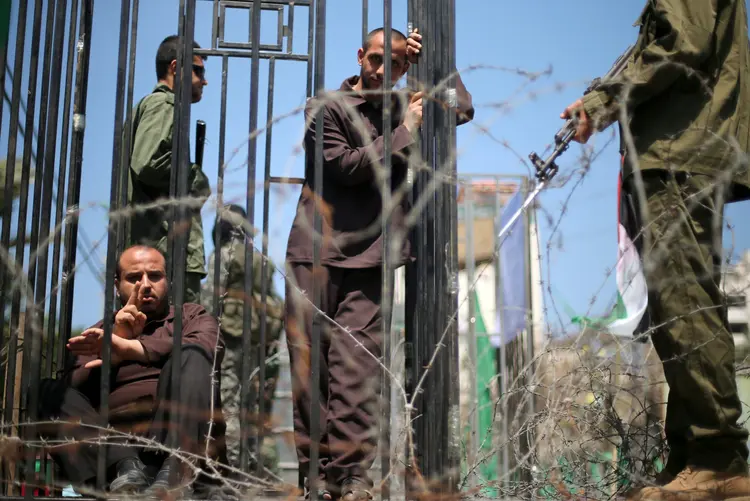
589 403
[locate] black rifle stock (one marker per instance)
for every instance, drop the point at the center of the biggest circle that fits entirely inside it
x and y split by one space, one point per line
547 168
200 140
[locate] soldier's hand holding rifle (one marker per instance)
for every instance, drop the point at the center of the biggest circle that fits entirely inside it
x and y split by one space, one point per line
584 130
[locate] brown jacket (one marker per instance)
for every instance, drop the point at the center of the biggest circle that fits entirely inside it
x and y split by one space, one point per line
132 382
351 192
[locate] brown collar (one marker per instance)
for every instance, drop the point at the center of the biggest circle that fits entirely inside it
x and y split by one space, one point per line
352 96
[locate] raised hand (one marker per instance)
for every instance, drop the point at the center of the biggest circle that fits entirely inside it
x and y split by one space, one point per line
130 320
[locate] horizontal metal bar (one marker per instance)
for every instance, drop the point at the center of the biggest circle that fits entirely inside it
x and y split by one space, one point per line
286 180
248 46
279 56
297 3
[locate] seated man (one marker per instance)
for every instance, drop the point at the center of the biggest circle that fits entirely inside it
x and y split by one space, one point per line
140 383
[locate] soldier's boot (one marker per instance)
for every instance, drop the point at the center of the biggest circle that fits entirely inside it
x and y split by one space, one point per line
693 484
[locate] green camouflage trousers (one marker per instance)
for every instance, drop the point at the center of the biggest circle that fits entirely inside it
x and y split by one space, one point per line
231 368
682 264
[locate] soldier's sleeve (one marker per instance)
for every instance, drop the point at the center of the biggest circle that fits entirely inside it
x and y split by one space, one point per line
343 163
152 145
678 40
465 110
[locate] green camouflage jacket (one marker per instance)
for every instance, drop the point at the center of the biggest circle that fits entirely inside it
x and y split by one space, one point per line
232 282
687 86
150 166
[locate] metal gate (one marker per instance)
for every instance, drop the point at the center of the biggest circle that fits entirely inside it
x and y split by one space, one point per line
46 105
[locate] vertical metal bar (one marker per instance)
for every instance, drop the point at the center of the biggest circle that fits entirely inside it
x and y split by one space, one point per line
4 65
366 20
505 457
35 369
264 253
290 30
527 364
123 225
320 26
52 320
248 396
436 433
220 181
22 211
472 334
388 253
83 48
215 26
112 240
31 324
501 464
416 284
437 447
311 27
179 175
427 438
448 30
46 213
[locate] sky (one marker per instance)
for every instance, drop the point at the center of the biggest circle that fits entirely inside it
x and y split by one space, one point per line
496 41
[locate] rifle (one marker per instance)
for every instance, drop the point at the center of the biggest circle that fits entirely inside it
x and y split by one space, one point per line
547 168
200 140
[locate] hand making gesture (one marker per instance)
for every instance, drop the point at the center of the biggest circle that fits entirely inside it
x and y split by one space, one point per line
129 323
130 320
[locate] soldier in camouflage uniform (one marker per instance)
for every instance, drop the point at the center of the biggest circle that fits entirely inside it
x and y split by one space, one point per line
150 167
686 96
231 236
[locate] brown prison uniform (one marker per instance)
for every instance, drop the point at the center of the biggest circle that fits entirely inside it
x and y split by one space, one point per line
350 278
140 395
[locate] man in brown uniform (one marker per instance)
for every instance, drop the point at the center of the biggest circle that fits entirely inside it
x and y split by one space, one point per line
141 380
351 258
686 90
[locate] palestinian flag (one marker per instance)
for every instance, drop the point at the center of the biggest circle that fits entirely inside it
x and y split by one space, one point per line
629 312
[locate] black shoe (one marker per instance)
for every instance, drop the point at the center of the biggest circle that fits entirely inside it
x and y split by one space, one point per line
161 485
355 489
131 476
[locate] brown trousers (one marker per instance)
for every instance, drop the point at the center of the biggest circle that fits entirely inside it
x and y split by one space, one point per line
349 377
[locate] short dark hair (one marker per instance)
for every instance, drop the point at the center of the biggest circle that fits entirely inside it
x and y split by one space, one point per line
395 34
167 53
118 266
